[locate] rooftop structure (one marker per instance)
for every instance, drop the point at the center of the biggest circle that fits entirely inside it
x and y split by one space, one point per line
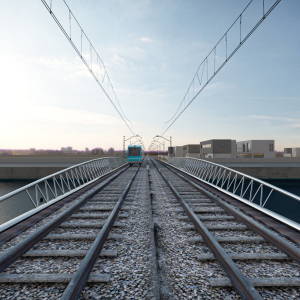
171 152
218 148
291 152
255 149
178 151
191 150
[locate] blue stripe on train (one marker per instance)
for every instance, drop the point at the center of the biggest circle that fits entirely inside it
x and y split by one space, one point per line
134 158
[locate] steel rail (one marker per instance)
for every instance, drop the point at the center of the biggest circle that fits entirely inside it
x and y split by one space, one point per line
19 224
10 256
292 251
234 193
238 279
78 281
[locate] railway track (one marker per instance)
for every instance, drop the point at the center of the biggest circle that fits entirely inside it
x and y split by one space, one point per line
66 247
148 233
231 250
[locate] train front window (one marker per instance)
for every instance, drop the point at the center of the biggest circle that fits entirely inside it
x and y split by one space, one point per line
134 151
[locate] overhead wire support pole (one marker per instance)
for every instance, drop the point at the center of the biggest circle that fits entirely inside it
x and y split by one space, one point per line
80 54
241 40
159 136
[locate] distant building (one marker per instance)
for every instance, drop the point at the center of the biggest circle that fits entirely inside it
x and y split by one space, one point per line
14 152
255 149
111 152
97 151
296 152
191 150
291 152
171 152
218 148
287 152
66 149
118 153
5 152
178 151
87 151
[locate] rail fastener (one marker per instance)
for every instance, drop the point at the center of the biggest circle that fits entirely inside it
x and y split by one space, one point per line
238 279
82 274
292 251
10 256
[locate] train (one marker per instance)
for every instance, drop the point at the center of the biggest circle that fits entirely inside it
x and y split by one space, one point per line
135 154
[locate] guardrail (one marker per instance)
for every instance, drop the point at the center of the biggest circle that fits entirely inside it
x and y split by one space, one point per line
58 184
247 189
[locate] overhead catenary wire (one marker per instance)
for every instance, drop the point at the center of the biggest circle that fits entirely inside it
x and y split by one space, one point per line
183 105
49 7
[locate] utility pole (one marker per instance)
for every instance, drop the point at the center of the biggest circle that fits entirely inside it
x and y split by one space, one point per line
170 140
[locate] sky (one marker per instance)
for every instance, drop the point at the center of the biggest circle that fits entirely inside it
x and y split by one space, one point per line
151 51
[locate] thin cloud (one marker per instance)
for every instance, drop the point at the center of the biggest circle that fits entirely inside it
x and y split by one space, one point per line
65 66
291 122
272 118
146 40
117 59
61 116
296 125
215 85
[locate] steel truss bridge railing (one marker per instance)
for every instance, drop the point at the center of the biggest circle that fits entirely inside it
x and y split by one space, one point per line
58 185
247 189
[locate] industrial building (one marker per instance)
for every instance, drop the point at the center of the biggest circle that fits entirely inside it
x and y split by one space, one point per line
171 152
111 152
66 150
177 151
97 151
255 149
295 152
227 148
218 148
291 152
191 150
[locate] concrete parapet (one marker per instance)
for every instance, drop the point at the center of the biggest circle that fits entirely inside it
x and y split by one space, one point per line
268 172
17 167
263 167
30 171
255 160
39 167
